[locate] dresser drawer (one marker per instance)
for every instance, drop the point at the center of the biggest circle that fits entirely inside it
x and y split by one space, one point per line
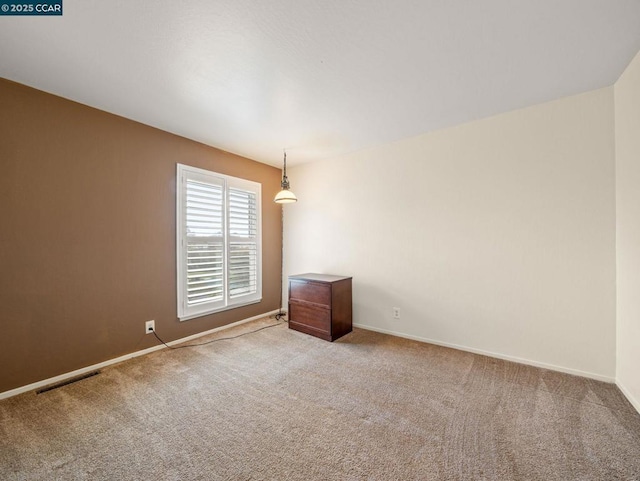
312 316
310 292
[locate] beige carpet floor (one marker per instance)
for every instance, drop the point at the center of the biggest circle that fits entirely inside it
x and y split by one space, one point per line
281 405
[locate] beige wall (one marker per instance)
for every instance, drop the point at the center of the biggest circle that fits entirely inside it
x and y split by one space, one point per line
87 235
627 121
496 236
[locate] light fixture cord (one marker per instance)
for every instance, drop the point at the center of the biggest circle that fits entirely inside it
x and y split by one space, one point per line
285 163
285 180
285 185
280 314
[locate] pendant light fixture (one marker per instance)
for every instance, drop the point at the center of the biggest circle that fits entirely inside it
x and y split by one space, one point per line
285 196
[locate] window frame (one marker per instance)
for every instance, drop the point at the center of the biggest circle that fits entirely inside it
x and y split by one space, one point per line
184 173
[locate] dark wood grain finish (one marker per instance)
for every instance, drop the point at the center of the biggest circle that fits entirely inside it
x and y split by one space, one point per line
341 309
298 326
314 316
320 305
316 292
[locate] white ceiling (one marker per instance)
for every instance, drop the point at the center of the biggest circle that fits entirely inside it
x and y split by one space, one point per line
322 77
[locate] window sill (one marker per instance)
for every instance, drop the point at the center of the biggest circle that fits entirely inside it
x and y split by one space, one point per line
220 309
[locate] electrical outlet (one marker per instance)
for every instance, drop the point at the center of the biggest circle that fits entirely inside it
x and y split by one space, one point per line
396 313
149 327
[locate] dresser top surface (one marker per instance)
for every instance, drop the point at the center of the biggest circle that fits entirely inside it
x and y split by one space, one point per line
318 277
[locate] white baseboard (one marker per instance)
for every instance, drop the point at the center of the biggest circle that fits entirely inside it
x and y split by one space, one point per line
634 402
93 367
520 360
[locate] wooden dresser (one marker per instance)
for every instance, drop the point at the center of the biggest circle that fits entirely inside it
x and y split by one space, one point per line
320 305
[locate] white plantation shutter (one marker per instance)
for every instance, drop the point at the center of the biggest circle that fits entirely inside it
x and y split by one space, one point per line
243 247
205 275
218 236
205 242
242 269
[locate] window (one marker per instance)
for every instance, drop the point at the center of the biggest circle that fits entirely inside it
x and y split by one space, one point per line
218 242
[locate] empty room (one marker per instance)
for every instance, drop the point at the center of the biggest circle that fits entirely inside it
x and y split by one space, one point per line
320 240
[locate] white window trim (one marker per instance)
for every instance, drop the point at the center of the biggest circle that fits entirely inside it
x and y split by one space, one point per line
186 312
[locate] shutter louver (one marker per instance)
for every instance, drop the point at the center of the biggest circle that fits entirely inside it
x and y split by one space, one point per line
205 253
204 209
242 213
242 269
205 277
243 248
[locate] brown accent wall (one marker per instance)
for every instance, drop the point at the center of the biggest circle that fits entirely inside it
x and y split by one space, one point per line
87 234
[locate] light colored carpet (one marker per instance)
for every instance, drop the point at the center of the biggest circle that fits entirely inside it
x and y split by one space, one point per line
281 405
